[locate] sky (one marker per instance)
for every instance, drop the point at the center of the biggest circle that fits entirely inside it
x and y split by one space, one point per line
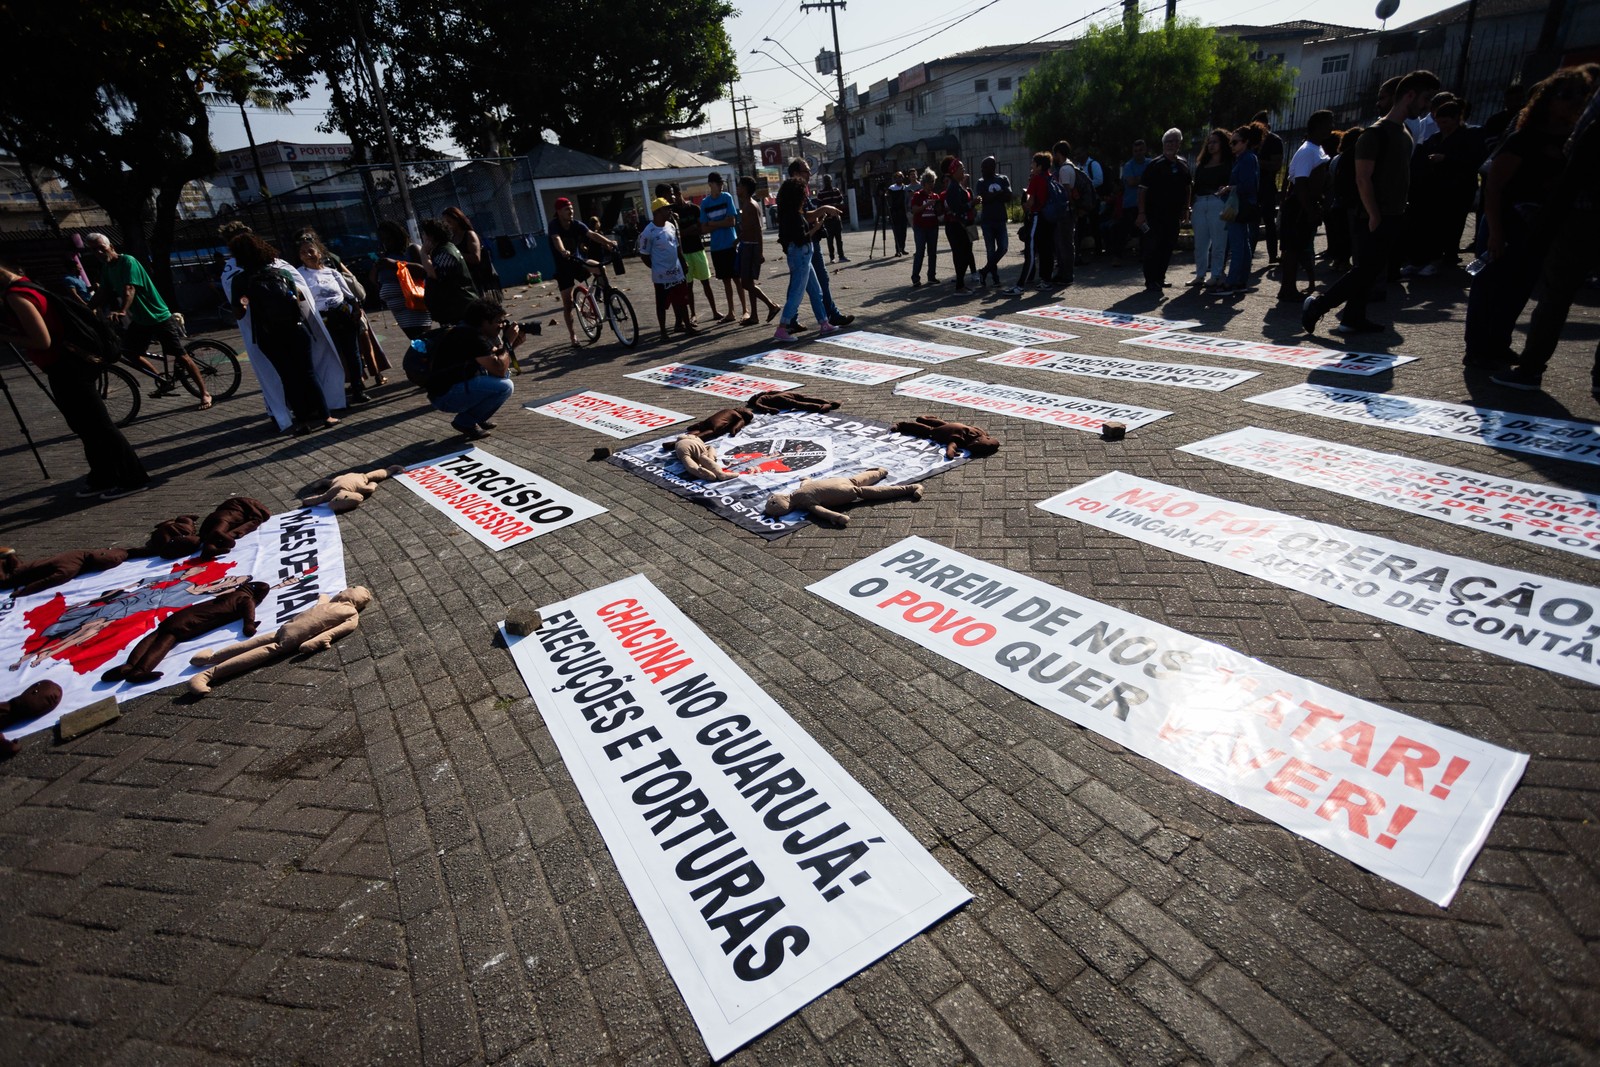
878 41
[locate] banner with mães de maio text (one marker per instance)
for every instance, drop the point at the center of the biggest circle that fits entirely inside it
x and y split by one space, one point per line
765 874
1543 622
497 502
1406 799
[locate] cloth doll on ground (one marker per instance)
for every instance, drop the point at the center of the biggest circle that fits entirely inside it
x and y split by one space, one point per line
234 517
772 403
37 575
172 539
191 622
346 492
953 435
726 421
700 460
38 699
313 630
820 496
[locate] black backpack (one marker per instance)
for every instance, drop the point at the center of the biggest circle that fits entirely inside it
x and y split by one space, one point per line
417 365
81 333
274 301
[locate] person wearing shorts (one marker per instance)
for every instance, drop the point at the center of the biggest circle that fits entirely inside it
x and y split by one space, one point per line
719 217
567 239
696 264
749 253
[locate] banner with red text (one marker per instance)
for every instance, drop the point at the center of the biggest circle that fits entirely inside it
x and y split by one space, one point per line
1561 438
1410 801
884 344
497 502
1302 356
1543 622
996 330
1080 413
1545 515
1182 375
611 415
74 633
724 383
1111 320
764 872
834 368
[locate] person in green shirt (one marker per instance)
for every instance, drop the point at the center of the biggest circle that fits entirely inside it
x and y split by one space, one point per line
137 309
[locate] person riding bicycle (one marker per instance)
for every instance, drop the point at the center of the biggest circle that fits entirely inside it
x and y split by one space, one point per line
567 239
133 305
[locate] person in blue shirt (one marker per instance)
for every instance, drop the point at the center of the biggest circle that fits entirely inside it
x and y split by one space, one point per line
1132 174
1244 183
719 217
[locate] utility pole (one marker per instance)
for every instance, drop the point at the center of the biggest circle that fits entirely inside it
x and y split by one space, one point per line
795 114
734 100
400 179
743 104
1172 11
832 7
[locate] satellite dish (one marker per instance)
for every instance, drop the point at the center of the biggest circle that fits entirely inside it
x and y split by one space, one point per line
1386 9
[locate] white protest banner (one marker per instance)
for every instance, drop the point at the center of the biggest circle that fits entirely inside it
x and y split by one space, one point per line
1074 411
765 874
497 502
710 380
1183 375
995 330
1407 800
611 415
73 633
1543 622
1307 358
905 347
835 368
1563 438
1545 515
1111 320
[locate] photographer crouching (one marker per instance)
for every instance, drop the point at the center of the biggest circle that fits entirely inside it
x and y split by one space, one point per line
468 367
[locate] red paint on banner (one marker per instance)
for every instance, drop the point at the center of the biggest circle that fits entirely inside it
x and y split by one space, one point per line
1456 768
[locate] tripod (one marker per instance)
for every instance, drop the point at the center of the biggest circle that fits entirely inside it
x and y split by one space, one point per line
21 423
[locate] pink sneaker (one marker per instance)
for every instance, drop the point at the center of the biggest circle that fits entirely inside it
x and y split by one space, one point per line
780 334
825 328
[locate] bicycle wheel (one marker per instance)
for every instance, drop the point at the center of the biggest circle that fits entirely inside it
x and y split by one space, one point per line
218 365
119 393
619 312
588 315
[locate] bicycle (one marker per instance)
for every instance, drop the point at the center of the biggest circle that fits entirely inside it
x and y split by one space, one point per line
586 303
217 363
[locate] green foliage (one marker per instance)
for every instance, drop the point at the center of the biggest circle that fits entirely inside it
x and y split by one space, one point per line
123 118
1113 86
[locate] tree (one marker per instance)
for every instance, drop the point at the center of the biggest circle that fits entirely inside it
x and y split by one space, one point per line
128 128
1113 86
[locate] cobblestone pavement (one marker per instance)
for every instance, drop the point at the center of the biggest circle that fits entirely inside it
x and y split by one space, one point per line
378 856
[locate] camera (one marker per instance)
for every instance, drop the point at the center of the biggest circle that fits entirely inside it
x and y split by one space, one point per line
531 327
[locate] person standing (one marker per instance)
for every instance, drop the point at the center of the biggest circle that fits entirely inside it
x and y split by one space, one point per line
692 247
29 321
1163 203
1132 171
927 212
1449 162
339 310
660 249
272 294
1244 186
817 219
135 307
1099 201
396 253
994 189
1065 225
899 197
568 238
794 237
958 215
719 214
750 256
1270 155
480 263
450 286
1383 177
1034 228
1211 172
1303 204
833 226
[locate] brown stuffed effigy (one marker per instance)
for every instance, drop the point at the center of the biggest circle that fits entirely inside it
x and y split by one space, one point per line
772 403
192 621
346 492
37 575
821 497
234 517
38 699
952 435
171 539
725 421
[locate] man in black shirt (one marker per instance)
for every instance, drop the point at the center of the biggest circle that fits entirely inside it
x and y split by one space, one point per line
794 237
832 227
1270 156
1163 203
467 368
